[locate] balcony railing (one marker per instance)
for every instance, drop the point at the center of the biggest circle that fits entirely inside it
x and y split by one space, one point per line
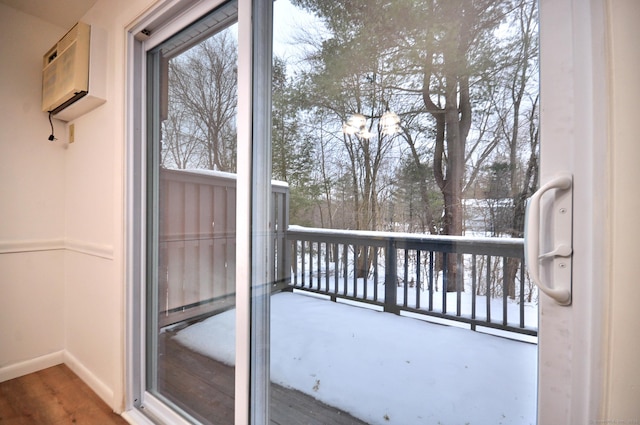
396 272
408 273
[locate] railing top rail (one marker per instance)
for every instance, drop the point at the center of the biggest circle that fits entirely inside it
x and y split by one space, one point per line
513 247
221 178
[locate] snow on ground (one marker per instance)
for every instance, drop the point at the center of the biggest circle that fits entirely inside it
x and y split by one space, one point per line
386 369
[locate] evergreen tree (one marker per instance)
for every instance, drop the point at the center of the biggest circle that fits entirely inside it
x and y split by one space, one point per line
292 152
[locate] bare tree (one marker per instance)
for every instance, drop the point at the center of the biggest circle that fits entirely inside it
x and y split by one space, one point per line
204 85
520 123
181 141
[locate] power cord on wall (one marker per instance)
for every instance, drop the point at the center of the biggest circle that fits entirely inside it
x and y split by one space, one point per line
51 137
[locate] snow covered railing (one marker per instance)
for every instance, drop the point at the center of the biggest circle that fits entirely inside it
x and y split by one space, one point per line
407 273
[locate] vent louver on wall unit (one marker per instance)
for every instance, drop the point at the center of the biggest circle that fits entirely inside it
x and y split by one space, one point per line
73 73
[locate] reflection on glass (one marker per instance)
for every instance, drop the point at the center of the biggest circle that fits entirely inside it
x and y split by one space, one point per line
193 216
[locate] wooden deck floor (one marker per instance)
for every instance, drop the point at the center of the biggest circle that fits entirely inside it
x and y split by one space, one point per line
205 388
53 396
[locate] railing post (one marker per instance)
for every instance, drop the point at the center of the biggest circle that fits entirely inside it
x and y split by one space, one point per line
285 276
391 278
280 222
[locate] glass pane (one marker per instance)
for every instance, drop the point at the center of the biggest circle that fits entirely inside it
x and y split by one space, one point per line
192 98
407 135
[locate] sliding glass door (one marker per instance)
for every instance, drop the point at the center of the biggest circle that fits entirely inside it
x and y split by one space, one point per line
407 133
325 185
314 205
191 224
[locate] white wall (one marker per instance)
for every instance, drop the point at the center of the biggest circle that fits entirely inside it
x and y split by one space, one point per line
623 392
94 220
61 212
31 203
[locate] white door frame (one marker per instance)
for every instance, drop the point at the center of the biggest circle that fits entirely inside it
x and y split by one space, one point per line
573 96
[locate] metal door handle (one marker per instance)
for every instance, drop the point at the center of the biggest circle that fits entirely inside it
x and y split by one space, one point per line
562 295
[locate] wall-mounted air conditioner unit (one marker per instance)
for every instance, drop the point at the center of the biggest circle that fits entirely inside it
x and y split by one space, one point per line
74 73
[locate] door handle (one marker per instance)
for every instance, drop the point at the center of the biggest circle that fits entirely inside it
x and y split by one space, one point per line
562 252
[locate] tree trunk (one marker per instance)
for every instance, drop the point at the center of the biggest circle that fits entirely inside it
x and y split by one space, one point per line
510 273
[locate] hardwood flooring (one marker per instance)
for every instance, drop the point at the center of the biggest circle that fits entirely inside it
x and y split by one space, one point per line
53 396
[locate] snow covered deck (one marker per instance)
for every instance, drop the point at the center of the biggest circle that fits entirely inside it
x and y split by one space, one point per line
380 368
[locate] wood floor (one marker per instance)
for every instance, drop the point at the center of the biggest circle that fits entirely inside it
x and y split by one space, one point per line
53 396
199 385
205 388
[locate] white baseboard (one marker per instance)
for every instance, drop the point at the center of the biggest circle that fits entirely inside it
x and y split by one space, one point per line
100 388
26 367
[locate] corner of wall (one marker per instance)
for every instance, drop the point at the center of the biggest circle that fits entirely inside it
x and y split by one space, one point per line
104 391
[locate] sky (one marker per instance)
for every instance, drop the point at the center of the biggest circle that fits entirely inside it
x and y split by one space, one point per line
383 368
288 21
